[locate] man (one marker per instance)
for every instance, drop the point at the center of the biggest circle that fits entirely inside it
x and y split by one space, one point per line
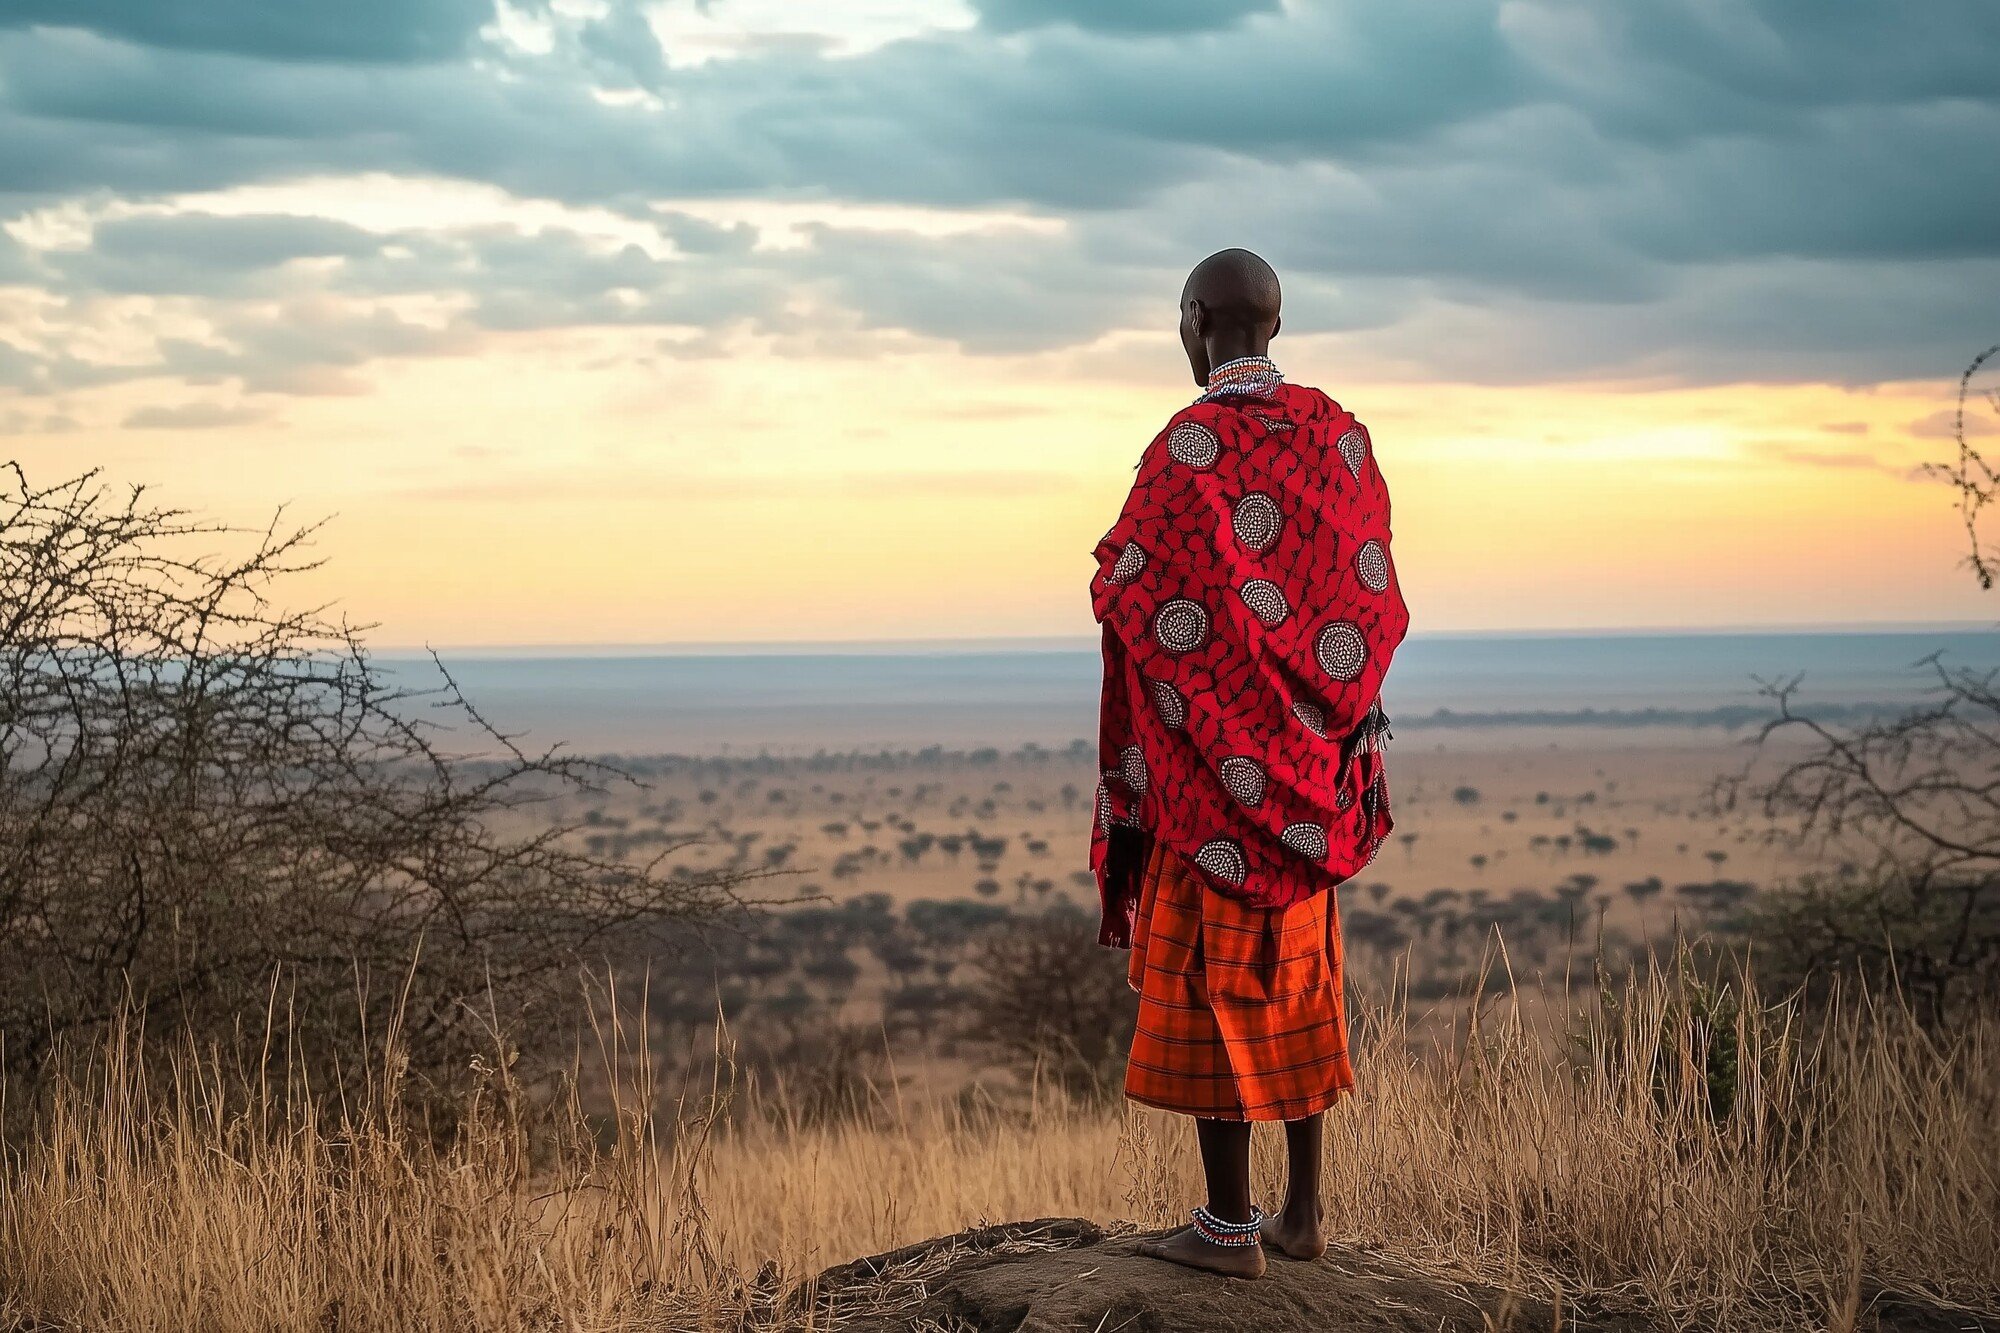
1249 610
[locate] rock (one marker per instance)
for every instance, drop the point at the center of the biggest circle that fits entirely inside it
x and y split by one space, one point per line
1068 1275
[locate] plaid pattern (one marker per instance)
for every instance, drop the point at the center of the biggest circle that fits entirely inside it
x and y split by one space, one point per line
1240 1009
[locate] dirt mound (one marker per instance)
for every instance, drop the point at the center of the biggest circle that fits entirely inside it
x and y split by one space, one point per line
1071 1275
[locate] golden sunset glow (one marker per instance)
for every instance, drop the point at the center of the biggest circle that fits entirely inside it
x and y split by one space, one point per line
548 491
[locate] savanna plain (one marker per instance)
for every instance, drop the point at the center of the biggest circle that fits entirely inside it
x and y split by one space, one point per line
1572 1081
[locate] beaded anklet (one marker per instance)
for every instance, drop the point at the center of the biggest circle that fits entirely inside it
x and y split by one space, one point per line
1218 1232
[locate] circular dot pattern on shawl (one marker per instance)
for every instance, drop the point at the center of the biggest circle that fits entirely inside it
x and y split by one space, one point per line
1245 779
1194 444
1180 625
1132 767
1266 601
1341 650
1131 564
1307 839
1256 521
1371 566
1223 859
1167 702
1311 719
1353 446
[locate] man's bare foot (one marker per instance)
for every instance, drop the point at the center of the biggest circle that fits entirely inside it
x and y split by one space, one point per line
1187 1248
1296 1233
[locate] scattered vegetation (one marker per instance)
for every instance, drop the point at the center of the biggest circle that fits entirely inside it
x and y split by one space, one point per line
210 803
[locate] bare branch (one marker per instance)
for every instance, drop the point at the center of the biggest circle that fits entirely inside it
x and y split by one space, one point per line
200 788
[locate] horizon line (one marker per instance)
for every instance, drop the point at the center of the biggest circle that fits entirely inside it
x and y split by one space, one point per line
1086 642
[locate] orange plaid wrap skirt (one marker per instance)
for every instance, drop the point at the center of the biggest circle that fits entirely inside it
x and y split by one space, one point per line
1240 1009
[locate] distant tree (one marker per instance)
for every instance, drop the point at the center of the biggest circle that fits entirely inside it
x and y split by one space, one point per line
1577 885
1595 843
1052 1006
1903 808
1641 889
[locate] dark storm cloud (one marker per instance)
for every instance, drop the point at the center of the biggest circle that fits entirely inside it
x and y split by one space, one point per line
251 241
1066 120
1772 188
377 30
1133 16
1672 70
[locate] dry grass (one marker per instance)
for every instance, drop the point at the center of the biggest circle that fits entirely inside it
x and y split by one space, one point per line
1860 1152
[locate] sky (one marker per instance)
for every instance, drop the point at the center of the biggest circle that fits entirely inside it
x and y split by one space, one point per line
600 321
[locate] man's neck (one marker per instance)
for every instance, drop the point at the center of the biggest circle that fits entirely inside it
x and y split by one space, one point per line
1223 349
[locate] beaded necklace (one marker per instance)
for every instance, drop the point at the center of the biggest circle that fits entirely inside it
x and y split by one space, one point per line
1244 375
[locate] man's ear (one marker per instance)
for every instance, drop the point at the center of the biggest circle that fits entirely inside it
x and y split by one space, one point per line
1197 317
1277 324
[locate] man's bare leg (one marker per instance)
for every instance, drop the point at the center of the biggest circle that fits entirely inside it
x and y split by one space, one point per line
1298 1230
1225 1161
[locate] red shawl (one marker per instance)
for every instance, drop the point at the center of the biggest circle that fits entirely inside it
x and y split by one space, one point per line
1249 610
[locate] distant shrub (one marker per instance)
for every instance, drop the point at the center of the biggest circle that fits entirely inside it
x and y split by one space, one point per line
210 803
1935 941
1052 1005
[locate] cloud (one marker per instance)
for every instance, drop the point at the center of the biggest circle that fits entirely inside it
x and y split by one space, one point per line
14 422
1944 425
1839 460
1495 190
194 416
362 30
200 254
1122 16
20 368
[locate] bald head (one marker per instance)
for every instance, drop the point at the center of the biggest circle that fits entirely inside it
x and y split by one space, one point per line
1229 308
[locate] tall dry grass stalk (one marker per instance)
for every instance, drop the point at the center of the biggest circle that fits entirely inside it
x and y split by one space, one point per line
1589 1155
1852 1147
